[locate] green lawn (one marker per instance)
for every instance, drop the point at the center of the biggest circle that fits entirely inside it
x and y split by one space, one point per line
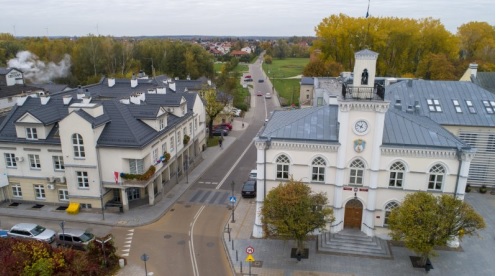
239 68
279 71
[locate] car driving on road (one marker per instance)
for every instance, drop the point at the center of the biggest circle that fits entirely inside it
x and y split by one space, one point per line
268 95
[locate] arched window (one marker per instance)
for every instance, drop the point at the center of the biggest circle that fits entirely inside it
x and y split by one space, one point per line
436 177
318 169
78 145
389 207
396 174
356 172
282 167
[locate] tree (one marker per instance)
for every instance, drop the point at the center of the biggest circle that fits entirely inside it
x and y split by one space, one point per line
424 221
213 105
293 211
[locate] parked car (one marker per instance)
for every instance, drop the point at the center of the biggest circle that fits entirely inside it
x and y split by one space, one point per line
253 175
32 231
74 238
220 132
220 127
260 80
268 95
259 93
249 79
249 189
228 125
236 112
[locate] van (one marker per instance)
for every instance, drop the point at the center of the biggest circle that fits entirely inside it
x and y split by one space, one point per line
74 238
253 174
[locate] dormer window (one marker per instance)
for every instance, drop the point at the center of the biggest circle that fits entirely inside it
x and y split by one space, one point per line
434 105
489 106
31 133
470 106
161 123
457 106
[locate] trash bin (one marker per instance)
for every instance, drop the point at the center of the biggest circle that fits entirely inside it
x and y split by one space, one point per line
121 263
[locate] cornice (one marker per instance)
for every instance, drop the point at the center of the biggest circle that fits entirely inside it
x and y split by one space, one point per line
377 106
421 153
288 145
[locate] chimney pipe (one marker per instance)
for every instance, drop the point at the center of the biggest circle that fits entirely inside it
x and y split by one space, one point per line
473 69
111 82
397 105
409 109
67 99
44 99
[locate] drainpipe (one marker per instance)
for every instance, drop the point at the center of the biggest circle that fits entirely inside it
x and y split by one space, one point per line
101 180
459 155
267 145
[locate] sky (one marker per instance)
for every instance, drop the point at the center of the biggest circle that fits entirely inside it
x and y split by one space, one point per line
218 17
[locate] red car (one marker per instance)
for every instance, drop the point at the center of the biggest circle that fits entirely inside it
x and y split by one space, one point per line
259 93
226 126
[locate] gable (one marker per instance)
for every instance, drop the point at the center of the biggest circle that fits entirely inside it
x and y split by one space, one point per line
28 118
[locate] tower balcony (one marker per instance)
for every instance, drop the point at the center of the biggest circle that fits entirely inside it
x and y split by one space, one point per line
363 93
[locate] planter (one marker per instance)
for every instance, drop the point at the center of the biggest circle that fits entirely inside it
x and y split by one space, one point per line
186 139
483 189
468 189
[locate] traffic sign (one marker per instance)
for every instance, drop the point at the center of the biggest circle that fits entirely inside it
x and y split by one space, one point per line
250 250
232 199
249 258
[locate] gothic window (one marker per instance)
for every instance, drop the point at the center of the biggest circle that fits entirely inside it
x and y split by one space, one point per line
389 207
318 169
396 174
436 177
282 167
356 172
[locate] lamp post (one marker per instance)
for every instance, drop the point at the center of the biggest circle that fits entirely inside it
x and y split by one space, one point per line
63 230
145 258
103 242
232 195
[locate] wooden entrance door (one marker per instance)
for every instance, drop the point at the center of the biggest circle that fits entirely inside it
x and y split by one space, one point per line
353 214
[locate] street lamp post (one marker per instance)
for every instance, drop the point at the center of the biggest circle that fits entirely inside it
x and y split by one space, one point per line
103 242
145 258
63 231
232 194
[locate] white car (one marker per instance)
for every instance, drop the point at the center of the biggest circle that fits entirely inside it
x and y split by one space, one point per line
268 95
32 231
236 112
253 175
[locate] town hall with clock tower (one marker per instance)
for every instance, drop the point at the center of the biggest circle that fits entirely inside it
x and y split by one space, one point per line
365 154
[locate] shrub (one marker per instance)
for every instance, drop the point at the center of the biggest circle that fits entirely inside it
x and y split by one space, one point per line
483 189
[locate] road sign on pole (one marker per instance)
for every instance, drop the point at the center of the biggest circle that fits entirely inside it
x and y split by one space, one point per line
232 199
249 258
250 250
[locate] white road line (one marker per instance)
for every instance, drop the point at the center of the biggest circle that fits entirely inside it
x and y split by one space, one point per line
234 166
192 254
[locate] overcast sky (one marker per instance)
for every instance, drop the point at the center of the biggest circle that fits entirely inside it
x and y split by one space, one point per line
218 17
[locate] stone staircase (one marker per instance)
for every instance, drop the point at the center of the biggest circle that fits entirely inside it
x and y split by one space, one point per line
353 242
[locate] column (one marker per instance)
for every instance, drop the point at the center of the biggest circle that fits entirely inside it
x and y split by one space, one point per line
262 146
343 117
151 194
125 202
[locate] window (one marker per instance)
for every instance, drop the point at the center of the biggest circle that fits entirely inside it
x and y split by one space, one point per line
196 123
436 177
63 195
31 133
184 131
490 143
58 163
10 160
82 179
164 147
434 105
16 190
356 172
154 156
136 166
190 128
78 146
318 169
161 123
457 106
469 138
489 106
282 167
389 207
34 161
178 137
39 191
470 106
172 143
396 174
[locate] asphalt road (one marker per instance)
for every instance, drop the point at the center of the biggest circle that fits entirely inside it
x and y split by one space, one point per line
187 240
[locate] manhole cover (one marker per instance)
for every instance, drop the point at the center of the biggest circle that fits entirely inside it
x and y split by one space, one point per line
167 236
257 264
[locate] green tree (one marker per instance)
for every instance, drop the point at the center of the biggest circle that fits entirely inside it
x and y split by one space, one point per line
281 50
477 44
214 104
293 211
424 221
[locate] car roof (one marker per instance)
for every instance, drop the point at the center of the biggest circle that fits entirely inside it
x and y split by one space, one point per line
250 182
73 232
253 171
25 226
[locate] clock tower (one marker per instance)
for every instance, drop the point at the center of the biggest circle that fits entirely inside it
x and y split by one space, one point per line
361 117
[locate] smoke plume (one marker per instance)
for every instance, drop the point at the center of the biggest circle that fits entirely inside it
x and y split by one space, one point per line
37 71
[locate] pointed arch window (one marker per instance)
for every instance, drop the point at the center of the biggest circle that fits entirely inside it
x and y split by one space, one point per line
318 169
396 175
282 167
78 145
356 172
436 177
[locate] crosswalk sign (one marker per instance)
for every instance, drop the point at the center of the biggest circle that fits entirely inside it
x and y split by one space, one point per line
249 258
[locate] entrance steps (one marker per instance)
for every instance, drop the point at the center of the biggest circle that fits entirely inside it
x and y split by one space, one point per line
353 242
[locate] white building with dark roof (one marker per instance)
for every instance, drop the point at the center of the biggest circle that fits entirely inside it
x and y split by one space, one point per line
362 152
102 144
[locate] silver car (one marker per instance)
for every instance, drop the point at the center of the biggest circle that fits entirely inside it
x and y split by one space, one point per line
32 231
74 238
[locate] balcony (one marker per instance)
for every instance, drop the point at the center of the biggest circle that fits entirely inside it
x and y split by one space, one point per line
363 93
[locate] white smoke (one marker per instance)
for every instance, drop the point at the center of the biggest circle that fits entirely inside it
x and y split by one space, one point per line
37 71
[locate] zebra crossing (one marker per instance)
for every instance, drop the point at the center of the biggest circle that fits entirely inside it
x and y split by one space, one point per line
209 196
208 182
127 243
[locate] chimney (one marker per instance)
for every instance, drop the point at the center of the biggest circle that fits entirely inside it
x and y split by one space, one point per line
80 93
209 82
417 107
409 83
124 101
188 77
172 86
135 99
473 69
44 99
409 109
67 99
111 82
151 91
86 99
134 83
397 105
21 99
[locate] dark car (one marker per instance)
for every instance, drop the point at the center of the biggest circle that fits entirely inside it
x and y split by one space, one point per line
249 189
220 132
74 238
260 80
226 126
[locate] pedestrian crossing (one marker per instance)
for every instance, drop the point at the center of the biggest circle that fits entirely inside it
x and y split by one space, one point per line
127 243
208 182
208 196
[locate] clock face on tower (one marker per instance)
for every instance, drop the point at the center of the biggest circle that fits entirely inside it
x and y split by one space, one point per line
361 127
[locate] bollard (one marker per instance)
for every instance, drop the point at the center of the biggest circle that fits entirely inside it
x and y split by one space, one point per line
232 247
236 255
121 263
229 233
241 267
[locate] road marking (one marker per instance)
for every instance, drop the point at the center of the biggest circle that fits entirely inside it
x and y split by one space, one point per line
234 166
191 243
127 245
208 182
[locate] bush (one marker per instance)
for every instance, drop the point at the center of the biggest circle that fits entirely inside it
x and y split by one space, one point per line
483 189
468 188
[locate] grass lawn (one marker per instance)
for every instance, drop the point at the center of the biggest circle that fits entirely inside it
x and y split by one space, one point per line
288 89
239 68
